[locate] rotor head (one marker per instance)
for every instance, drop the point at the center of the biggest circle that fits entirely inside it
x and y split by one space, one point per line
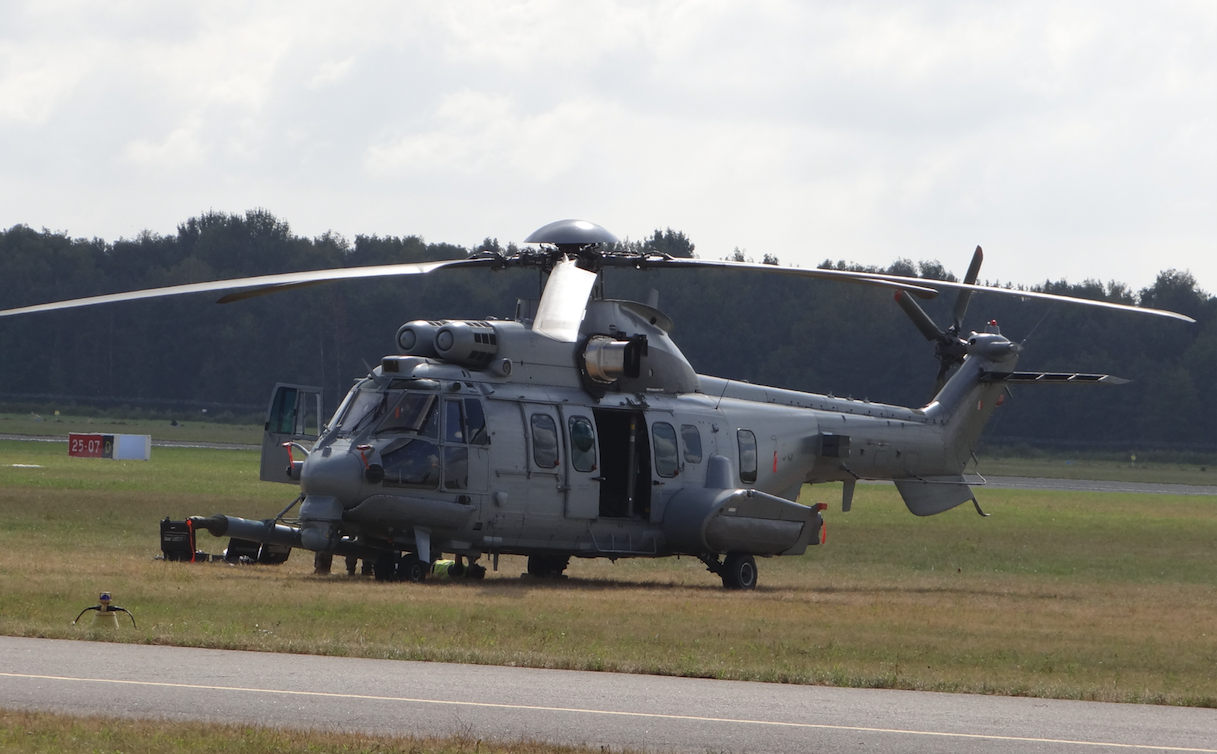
571 233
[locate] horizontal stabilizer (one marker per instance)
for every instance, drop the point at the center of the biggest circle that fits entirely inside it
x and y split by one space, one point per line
1052 378
926 496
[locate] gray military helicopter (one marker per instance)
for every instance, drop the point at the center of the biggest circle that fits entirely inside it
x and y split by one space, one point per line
578 429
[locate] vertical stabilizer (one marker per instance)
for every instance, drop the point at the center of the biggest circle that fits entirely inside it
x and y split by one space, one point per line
964 405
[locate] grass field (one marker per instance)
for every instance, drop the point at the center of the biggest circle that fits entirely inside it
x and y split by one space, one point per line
1068 595
47 733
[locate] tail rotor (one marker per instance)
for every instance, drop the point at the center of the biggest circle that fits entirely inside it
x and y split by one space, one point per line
949 348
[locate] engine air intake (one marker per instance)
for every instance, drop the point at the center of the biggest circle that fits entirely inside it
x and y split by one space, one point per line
468 343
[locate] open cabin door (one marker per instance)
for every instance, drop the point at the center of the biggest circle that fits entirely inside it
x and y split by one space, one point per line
625 464
294 415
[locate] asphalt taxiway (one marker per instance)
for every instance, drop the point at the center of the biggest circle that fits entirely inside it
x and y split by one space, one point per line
651 713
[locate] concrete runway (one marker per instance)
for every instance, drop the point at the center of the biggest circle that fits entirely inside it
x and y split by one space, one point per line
651 713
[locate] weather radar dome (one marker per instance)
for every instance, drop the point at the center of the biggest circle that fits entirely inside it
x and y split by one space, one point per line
565 232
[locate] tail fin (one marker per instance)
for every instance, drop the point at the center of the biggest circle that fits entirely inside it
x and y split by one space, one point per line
963 406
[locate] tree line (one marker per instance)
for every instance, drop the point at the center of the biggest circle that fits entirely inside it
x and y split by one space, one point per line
847 340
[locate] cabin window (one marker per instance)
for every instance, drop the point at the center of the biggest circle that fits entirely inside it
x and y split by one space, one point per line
417 413
582 444
667 463
411 462
692 439
544 441
747 456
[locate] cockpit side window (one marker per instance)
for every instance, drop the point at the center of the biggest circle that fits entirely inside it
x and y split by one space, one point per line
475 423
411 462
464 421
454 423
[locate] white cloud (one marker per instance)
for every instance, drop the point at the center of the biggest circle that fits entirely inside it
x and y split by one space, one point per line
857 130
30 96
477 132
331 72
180 149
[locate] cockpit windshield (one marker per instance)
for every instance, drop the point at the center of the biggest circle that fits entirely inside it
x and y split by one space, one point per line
359 409
416 413
389 412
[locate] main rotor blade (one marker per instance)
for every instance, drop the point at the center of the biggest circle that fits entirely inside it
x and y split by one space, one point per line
920 287
919 317
262 284
256 286
961 301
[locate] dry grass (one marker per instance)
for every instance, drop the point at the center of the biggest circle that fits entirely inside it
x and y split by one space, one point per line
1078 595
48 733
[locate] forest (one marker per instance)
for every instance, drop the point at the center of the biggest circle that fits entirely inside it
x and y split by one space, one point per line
186 353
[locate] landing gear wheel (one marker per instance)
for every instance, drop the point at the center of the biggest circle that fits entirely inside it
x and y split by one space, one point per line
547 566
412 568
475 571
739 571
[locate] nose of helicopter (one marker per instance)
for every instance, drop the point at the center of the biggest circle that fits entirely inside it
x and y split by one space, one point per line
336 471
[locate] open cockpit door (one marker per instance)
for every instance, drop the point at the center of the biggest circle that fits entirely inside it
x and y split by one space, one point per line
294 416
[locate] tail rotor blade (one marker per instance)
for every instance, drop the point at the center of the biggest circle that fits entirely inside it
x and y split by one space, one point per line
919 317
965 296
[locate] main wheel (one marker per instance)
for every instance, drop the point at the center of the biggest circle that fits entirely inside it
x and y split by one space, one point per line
739 571
547 566
412 568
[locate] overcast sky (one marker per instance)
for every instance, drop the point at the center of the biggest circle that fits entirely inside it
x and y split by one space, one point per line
1071 139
